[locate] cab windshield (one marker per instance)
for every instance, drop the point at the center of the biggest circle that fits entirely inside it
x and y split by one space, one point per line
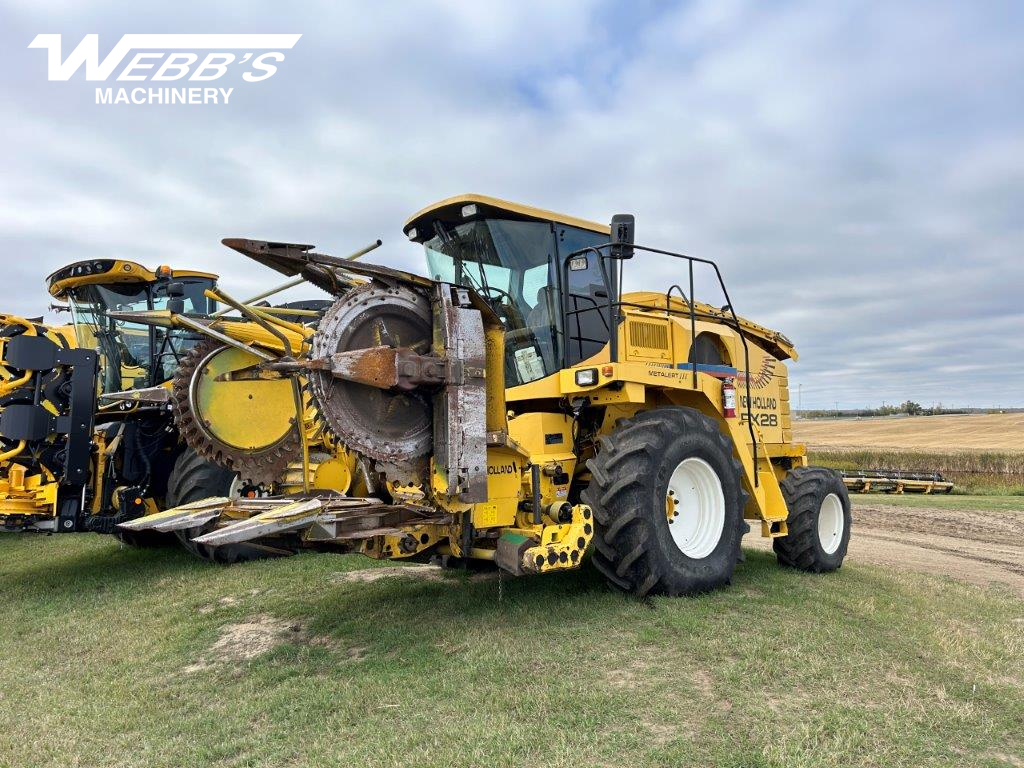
132 354
514 266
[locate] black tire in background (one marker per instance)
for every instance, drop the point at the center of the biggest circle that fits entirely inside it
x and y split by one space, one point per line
145 539
819 520
194 479
634 545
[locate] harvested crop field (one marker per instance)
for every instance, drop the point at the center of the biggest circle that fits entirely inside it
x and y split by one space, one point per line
978 432
981 453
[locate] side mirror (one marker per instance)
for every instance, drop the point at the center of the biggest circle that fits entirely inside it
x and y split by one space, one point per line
623 225
175 289
176 305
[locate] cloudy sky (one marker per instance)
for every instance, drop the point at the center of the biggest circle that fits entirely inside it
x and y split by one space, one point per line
857 169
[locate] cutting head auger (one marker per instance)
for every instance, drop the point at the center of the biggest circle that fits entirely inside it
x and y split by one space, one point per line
518 407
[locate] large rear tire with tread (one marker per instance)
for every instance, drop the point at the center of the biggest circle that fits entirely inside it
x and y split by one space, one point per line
819 520
667 497
193 479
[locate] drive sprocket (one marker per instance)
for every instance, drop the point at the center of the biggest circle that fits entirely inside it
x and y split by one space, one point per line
248 426
389 426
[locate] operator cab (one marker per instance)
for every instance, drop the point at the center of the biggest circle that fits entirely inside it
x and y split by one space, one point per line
133 355
512 255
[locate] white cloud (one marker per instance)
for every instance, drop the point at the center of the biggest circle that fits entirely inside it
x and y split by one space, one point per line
856 169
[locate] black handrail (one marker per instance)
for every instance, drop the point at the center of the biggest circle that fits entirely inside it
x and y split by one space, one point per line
693 321
614 307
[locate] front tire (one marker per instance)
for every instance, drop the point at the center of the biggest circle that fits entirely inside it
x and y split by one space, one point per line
668 503
819 520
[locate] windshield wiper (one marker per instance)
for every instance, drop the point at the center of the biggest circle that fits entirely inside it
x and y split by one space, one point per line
442 233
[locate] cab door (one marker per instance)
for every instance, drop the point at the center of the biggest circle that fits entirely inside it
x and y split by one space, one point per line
585 329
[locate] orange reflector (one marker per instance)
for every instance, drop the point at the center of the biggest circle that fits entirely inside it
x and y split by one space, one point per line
164 271
138 500
607 371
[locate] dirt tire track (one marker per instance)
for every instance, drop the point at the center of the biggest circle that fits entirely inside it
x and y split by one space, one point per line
982 547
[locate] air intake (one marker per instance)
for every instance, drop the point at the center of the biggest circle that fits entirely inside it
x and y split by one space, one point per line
648 335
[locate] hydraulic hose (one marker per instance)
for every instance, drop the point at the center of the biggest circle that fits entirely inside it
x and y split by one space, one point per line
15 451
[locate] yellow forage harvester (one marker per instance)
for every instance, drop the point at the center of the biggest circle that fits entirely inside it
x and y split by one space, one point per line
518 406
84 415
90 435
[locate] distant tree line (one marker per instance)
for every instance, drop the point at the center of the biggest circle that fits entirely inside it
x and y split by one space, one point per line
909 408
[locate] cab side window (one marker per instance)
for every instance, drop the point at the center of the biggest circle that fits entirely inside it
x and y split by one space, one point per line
586 330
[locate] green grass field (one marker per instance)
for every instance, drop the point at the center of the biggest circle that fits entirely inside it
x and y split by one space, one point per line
120 657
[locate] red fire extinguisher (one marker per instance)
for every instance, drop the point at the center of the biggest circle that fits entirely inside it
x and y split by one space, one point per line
729 398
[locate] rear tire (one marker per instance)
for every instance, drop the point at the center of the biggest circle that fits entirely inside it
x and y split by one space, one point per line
193 479
819 520
640 471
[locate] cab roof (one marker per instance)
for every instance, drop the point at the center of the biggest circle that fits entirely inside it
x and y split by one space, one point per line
106 272
450 211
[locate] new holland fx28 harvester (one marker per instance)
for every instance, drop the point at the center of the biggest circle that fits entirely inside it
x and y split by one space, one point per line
518 406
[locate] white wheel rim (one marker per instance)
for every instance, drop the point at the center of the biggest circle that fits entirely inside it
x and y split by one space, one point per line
695 505
830 523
